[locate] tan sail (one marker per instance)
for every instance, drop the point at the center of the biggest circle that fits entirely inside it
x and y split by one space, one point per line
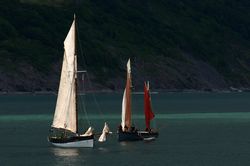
65 112
126 102
89 132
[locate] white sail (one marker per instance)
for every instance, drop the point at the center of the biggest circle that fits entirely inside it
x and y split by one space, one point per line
89 132
123 108
105 131
65 112
102 138
126 101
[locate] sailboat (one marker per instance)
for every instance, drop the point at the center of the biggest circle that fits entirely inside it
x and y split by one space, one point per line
64 129
127 132
149 133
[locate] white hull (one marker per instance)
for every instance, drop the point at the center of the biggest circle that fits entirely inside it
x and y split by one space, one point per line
77 144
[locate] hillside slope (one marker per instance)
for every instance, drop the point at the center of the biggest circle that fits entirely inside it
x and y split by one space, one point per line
174 44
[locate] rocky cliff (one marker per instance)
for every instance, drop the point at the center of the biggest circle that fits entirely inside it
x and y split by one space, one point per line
176 45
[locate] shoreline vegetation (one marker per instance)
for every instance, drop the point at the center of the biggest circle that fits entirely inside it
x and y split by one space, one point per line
175 45
155 92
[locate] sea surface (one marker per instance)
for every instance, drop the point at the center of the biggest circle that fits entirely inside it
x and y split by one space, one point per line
196 129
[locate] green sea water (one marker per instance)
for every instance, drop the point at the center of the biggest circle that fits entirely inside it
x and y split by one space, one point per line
196 129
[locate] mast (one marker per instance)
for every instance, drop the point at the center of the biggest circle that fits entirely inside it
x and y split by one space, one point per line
76 89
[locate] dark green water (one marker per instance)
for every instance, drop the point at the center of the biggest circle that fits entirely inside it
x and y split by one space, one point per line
196 129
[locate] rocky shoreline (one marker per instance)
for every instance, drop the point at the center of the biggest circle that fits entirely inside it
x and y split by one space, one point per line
156 91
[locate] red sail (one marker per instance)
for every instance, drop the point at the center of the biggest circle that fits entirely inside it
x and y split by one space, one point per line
128 102
149 115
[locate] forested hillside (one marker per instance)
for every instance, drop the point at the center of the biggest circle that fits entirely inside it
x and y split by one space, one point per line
176 44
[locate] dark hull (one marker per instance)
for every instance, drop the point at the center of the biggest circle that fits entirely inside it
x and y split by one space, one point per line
148 134
69 139
129 136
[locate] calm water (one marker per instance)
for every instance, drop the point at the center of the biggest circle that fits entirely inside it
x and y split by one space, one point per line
196 129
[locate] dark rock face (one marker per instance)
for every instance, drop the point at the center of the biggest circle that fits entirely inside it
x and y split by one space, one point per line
167 73
163 73
202 45
28 79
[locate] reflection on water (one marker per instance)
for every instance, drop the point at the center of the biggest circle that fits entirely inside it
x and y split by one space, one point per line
129 145
103 149
123 143
60 152
67 156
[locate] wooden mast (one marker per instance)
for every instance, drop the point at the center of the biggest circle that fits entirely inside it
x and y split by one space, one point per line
76 78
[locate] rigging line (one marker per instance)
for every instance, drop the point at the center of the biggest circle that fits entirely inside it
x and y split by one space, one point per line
82 53
95 100
82 106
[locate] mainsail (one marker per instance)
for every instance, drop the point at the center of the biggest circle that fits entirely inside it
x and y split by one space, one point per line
126 101
149 115
65 112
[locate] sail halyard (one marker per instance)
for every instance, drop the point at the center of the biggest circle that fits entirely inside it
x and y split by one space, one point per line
149 115
126 102
65 112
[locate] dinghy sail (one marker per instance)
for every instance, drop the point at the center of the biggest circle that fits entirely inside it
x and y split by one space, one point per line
105 131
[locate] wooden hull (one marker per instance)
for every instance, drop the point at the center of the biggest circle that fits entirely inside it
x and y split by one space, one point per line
73 142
